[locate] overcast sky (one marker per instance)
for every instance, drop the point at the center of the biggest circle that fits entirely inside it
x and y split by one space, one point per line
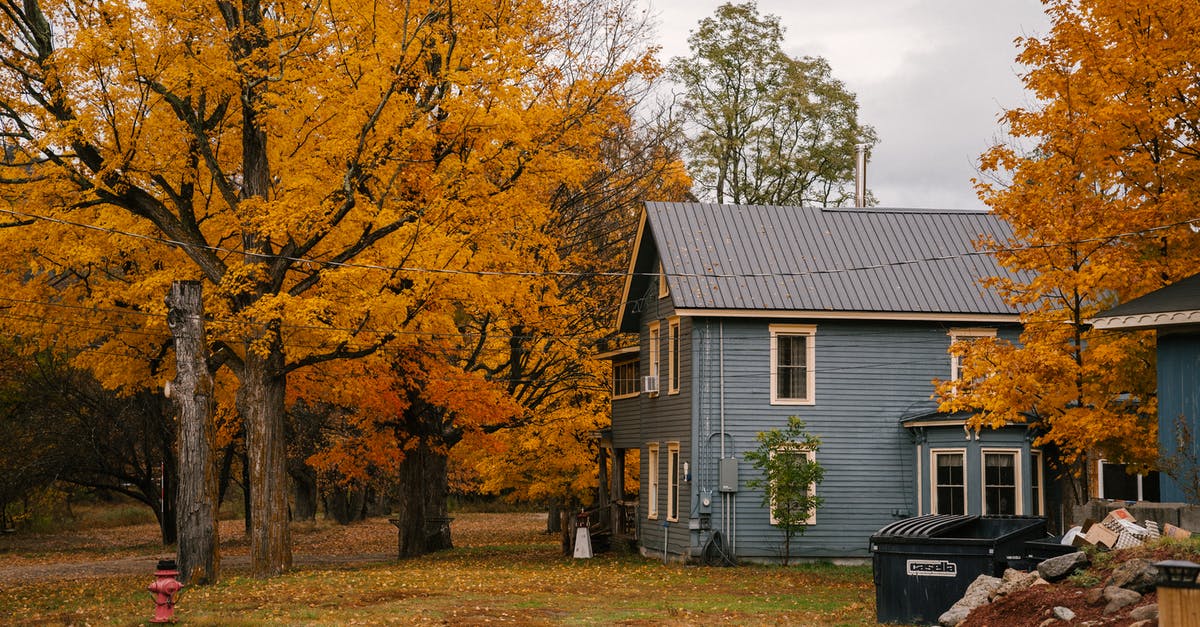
932 77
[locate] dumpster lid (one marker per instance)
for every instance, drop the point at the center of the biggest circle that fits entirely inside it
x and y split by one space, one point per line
925 526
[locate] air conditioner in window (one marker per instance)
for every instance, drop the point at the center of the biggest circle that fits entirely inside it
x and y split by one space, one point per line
650 385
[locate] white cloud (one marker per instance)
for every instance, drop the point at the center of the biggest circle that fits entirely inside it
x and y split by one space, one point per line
932 77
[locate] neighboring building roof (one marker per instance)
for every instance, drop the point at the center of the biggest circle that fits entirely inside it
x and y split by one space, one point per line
902 263
1174 305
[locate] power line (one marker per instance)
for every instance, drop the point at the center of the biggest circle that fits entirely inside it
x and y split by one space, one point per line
613 274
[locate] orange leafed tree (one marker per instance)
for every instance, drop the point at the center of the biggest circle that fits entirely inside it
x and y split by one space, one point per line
344 176
1100 184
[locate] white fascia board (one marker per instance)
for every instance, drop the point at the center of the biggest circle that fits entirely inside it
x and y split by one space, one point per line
847 315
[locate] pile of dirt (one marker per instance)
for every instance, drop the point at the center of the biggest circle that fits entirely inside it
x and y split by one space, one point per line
1080 594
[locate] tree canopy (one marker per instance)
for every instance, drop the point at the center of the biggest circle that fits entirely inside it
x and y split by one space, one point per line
764 127
350 181
1100 186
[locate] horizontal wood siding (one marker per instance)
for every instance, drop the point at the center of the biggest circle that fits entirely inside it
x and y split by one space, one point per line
665 418
868 375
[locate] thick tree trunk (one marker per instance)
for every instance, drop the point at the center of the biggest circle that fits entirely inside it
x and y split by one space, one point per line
553 520
261 403
192 390
423 524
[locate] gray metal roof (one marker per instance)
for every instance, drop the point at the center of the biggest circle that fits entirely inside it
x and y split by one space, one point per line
1175 304
744 257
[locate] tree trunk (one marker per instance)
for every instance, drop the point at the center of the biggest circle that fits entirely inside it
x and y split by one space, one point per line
304 492
553 522
192 390
167 512
260 400
346 505
421 503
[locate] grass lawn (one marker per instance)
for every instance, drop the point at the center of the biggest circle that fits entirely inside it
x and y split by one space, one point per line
502 571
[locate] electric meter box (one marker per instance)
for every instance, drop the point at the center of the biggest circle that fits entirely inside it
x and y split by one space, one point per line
728 475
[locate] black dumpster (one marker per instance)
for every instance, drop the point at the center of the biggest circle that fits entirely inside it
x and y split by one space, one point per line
923 565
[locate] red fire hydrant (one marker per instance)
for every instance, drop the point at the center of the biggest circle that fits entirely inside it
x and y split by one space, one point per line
163 589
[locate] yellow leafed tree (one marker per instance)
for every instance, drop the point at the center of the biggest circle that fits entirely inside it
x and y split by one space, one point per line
1100 186
344 177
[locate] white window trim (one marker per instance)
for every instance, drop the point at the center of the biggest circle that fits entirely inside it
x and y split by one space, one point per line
655 356
673 481
673 347
920 481
1037 470
637 384
933 476
652 481
957 334
812 487
1019 507
809 330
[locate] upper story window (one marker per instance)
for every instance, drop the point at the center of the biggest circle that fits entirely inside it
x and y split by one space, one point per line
625 378
652 366
793 352
1036 507
664 290
965 335
673 356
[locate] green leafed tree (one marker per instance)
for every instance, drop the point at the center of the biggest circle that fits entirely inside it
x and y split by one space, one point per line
765 127
790 473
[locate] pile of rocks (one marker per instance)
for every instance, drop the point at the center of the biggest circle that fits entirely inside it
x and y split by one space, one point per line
1124 588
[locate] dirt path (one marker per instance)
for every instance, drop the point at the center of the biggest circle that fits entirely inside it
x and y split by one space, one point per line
144 565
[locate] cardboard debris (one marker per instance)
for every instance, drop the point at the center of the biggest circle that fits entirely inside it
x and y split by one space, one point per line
1119 530
1099 535
1171 531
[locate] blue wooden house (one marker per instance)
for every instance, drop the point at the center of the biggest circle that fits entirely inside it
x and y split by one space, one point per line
1174 313
746 315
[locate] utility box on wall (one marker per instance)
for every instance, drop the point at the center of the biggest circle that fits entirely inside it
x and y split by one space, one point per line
729 475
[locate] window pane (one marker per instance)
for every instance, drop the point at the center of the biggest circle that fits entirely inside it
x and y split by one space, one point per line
1000 484
791 367
950 495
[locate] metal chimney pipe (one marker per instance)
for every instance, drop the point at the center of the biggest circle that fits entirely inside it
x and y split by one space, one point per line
860 174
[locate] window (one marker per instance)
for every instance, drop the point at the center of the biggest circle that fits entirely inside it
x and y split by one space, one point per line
1117 483
1000 481
625 378
664 290
672 481
1035 483
654 348
792 355
652 480
673 356
811 456
964 335
950 486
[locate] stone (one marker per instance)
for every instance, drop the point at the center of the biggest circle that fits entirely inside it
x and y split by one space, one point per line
1094 596
1061 567
977 594
1145 613
1014 581
1064 613
1119 598
1136 574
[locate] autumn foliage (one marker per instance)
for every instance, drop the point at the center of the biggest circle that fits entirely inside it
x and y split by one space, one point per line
350 181
1100 183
